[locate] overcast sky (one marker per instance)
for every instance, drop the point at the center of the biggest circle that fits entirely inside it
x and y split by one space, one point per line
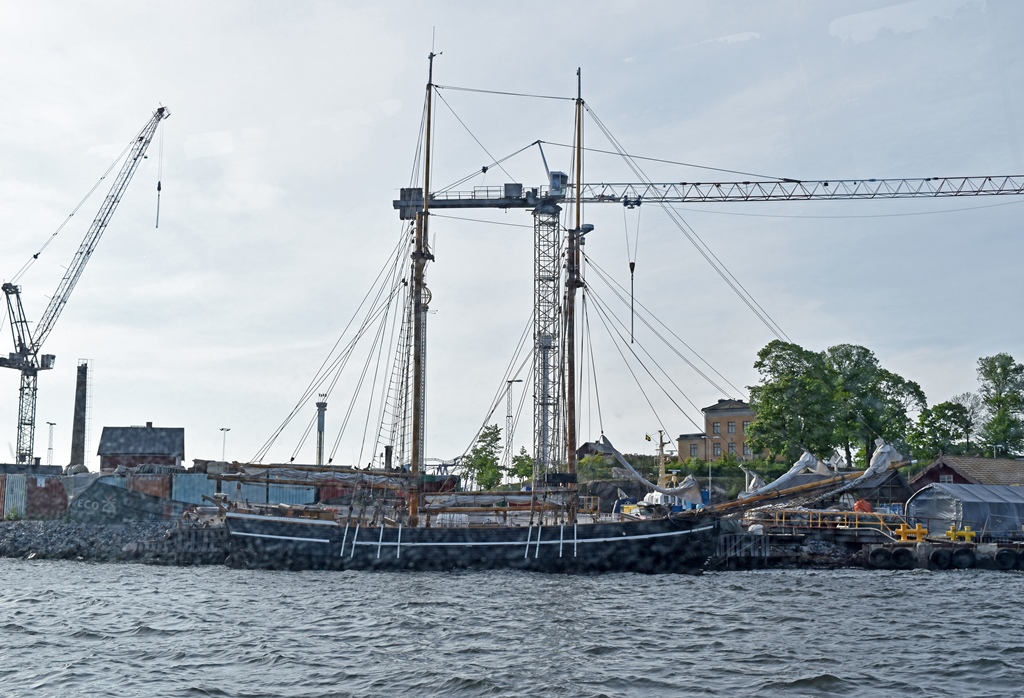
293 125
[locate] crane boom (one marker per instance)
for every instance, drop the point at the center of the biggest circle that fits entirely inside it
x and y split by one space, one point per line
632 194
26 357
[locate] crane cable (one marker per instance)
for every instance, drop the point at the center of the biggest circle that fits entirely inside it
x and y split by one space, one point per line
727 276
631 256
81 203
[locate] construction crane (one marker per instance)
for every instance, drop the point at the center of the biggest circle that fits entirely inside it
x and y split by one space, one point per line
545 203
26 356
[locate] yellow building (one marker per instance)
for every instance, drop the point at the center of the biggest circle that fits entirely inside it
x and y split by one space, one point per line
725 431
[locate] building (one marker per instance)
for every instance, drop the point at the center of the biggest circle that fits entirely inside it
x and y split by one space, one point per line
132 446
725 431
970 470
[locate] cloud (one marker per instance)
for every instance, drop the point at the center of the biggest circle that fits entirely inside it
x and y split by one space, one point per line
898 19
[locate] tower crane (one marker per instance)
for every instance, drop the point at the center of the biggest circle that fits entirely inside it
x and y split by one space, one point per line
545 203
26 356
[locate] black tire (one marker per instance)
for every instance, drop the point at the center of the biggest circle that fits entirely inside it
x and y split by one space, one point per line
941 558
902 558
1005 559
964 558
880 558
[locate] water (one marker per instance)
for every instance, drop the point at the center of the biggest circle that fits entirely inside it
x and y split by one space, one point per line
71 628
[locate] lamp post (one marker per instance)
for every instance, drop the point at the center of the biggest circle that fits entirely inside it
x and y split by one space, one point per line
49 448
224 441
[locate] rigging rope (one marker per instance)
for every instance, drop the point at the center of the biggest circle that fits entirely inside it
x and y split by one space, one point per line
472 135
506 94
605 314
620 294
624 154
81 203
701 247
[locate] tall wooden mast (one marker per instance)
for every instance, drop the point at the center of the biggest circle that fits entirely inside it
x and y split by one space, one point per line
572 283
420 256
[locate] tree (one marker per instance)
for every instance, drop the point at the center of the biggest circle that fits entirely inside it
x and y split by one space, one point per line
483 461
941 429
1002 383
972 414
522 465
854 373
818 400
1002 393
794 403
871 402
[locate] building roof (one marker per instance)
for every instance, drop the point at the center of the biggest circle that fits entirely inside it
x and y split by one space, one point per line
727 405
142 441
979 470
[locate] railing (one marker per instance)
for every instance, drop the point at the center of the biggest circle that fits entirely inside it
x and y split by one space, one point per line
804 518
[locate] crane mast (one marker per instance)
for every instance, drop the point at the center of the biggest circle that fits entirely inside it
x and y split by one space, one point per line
26 357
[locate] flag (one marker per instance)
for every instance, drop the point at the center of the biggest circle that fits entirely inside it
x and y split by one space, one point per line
647 436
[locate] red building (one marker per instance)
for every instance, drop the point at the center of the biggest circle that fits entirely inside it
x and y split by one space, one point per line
971 470
133 446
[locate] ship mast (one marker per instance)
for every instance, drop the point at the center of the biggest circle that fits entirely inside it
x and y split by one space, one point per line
572 283
420 256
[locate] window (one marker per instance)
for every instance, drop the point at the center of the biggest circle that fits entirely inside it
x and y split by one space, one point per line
716 428
732 447
693 450
746 450
732 427
746 425
946 478
718 449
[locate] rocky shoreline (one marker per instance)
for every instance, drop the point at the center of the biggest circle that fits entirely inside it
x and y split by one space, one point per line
143 541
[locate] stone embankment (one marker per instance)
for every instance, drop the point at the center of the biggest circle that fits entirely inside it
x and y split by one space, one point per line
157 542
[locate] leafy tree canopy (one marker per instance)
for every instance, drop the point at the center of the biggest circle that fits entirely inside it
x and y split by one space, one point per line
820 400
483 461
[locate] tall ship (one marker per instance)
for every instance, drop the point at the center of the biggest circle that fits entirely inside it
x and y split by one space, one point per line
398 516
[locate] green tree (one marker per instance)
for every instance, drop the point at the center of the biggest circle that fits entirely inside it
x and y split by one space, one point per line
973 410
870 401
483 461
793 403
940 429
1002 393
818 400
522 465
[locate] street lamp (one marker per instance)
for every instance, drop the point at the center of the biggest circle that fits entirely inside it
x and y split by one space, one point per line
49 448
224 441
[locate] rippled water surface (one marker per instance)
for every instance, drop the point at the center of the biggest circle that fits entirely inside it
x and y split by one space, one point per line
71 628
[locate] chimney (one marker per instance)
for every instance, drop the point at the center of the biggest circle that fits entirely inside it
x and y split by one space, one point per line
78 425
149 425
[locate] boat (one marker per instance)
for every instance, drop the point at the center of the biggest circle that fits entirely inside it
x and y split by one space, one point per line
548 528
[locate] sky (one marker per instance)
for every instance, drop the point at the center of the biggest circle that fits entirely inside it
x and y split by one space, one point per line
293 126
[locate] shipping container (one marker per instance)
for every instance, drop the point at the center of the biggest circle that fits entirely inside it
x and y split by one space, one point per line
3 492
158 486
262 493
103 503
45 498
14 497
190 488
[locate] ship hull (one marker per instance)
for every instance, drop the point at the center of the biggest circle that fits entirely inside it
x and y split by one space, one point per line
672 545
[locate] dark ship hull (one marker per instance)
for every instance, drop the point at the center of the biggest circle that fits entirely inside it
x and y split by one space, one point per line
670 545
